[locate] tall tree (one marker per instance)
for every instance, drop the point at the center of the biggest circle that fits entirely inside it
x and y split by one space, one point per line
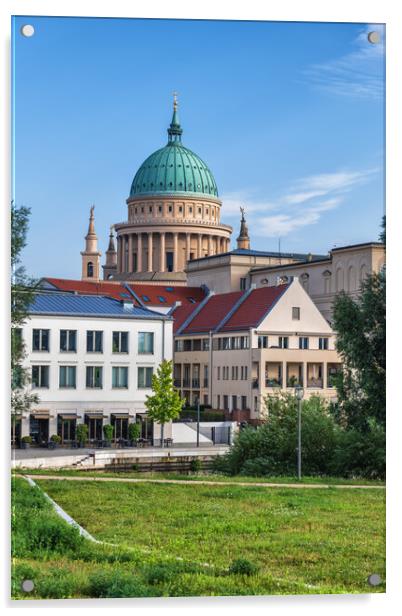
360 340
22 293
165 403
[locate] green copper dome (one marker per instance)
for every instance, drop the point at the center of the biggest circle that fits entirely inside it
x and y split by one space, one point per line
174 169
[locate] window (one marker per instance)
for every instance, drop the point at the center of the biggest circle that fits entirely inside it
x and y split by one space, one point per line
245 373
119 377
145 298
262 342
244 403
283 342
235 373
145 343
323 344
90 270
162 299
226 403
218 376
40 340
94 377
205 344
218 402
303 343
145 377
296 313
178 345
169 261
67 377
94 341
68 340
243 284
234 403
40 376
120 342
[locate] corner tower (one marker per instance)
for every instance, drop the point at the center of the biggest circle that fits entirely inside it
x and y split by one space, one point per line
173 215
91 255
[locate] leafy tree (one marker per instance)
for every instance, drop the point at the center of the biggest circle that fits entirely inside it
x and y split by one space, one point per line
360 341
22 293
271 449
165 403
382 236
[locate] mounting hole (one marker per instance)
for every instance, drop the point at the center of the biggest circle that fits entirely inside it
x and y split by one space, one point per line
27 585
374 37
374 579
27 30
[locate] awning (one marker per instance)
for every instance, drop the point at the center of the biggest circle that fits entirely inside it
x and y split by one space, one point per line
68 415
40 415
120 415
95 415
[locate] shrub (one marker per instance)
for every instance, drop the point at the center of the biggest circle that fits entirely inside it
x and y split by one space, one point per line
55 438
360 454
59 585
242 566
195 465
27 439
134 431
108 431
82 433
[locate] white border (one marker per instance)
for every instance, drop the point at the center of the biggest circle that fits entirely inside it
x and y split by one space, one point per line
367 11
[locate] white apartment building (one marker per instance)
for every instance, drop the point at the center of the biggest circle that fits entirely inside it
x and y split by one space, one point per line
91 360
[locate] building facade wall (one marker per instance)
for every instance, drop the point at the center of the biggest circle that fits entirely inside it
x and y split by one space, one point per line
81 399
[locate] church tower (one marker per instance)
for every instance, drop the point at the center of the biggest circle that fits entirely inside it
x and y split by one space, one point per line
109 269
243 241
91 255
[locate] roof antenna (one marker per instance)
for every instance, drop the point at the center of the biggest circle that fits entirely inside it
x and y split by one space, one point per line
279 250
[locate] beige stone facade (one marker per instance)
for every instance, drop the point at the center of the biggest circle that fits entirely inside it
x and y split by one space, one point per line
235 371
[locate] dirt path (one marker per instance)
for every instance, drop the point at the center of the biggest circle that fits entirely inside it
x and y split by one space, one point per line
208 483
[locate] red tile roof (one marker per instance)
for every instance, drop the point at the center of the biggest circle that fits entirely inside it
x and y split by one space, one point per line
212 313
181 313
110 289
254 308
172 294
169 294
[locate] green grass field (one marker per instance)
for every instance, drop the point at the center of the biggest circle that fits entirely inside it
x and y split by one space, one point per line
300 540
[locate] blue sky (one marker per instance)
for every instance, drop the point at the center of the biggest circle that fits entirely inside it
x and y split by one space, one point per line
288 116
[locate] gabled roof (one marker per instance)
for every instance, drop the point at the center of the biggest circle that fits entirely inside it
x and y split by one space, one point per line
228 312
181 313
147 294
67 304
254 308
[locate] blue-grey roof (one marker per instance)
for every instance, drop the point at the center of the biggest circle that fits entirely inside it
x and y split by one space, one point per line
67 304
263 253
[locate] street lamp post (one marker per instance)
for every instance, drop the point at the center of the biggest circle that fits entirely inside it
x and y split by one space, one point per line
299 392
198 422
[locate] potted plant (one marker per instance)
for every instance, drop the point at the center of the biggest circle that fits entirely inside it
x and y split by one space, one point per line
108 433
55 439
82 434
26 441
134 431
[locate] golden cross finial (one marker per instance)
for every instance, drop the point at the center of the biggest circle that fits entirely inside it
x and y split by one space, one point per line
175 100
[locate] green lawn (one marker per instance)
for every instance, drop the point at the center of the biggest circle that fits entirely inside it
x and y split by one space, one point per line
302 541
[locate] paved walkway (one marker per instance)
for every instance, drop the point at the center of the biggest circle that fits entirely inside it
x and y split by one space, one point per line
39 452
207 482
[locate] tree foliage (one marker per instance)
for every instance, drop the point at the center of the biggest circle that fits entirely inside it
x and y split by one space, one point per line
22 293
165 403
360 341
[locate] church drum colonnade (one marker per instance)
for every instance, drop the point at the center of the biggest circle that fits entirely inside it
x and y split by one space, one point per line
137 253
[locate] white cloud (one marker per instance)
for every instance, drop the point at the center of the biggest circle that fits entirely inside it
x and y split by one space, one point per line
358 74
314 195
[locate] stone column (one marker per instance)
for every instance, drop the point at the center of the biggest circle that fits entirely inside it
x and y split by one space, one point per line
139 252
123 253
209 245
199 246
150 249
188 243
130 252
118 254
175 251
162 259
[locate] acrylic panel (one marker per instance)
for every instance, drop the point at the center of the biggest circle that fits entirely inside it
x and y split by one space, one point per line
198 308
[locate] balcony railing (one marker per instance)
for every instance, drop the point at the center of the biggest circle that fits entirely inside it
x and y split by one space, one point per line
196 383
206 382
314 383
186 383
255 383
177 382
